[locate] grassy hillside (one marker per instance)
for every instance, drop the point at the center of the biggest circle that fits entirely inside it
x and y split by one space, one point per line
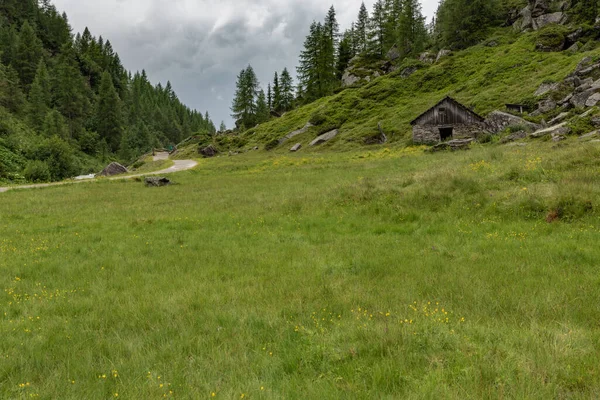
504 69
383 274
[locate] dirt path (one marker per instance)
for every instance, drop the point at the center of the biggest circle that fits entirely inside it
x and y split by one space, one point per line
178 165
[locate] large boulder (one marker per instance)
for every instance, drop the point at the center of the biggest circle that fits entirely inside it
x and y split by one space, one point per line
348 79
554 131
546 88
326 137
525 22
547 19
296 133
546 105
580 99
593 100
113 169
296 147
498 121
208 151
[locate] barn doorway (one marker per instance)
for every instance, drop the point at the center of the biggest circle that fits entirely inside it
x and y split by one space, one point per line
446 133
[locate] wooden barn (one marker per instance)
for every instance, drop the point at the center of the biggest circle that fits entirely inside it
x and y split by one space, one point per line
447 120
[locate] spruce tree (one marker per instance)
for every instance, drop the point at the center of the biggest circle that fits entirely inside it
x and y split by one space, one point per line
40 96
287 91
223 127
269 96
345 54
412 32
262 109
27 56
276 93
362 30
377 32
244 107
54 125
309 69
108 113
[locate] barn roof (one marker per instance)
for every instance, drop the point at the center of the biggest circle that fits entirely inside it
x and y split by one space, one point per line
461 106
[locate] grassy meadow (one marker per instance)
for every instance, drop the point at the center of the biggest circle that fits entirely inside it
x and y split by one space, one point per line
388 273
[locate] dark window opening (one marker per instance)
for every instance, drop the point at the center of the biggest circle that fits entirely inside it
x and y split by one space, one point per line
446 133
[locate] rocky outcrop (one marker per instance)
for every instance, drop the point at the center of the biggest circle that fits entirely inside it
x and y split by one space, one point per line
497 121
296 133
427 57
537 15
393 54
348 79
324 138
558 119
113 169
441 54
554 131
296 147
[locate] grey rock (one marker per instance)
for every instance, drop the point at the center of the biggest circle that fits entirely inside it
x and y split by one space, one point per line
157 181
514 137
559 118
546 88
593 100
595 121
348 79
583 64
588 70
208 151
579 99
558 138
566 99
296 133
517 144
393 54
296 147
573 49
326 137
498 121
441 54
113 169
548 19
547 105
556 130
427 57
526 21
590 135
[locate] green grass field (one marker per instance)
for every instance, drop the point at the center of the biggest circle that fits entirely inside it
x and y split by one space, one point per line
383 274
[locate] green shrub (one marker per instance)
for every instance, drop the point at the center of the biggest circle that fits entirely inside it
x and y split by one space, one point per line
317 118
37 171
552 37
271 144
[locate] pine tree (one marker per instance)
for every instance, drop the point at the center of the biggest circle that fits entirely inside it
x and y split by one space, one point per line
309 70
244 103
377 30
40 96
412 32
69 90
276 93
262 109
362 30
287 91
345 54
223 127
108 113
28 55
54 125
269 96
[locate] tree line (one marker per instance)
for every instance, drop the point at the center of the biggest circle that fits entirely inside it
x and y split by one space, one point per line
75 98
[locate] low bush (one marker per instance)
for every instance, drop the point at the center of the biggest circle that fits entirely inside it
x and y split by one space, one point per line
37 171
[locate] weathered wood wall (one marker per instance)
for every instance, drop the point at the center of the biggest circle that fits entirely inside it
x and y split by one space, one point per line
447 113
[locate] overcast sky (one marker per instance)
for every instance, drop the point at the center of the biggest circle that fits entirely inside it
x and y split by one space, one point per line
201 45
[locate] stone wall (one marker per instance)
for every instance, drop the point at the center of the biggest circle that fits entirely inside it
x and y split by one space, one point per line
430 134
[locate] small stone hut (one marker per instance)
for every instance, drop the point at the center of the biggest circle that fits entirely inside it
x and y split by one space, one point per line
445 121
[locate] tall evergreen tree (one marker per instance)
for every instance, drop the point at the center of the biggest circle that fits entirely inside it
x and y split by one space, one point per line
244 108
40 96
262 109
309 70
28 55
378 32
276 93
362 30
54 125
108 113
345 54
412 32
287 91
269 96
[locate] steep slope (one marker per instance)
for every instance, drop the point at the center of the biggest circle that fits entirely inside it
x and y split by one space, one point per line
506 68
